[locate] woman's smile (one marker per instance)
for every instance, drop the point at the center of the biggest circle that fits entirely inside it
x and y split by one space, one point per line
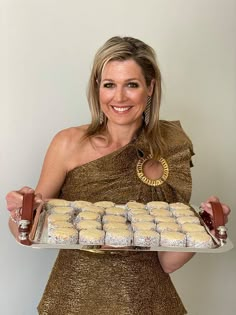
123 109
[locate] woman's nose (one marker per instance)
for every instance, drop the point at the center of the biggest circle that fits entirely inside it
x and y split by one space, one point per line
119 95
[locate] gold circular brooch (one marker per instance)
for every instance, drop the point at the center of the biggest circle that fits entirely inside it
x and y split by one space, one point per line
148 181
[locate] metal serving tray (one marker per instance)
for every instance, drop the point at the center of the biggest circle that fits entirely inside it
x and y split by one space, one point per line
38 238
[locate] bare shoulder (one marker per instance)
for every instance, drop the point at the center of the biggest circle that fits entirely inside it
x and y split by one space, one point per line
67 149
69 137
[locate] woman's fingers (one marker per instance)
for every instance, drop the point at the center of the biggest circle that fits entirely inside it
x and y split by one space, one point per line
38 199
212 198
15 198
207 207
226 210
25 190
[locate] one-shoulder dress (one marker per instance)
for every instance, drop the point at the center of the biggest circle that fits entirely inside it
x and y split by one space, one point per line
120 282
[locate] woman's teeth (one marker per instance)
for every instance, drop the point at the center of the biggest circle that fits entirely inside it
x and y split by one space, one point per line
121 109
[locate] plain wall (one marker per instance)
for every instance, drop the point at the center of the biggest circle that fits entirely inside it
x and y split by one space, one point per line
47 49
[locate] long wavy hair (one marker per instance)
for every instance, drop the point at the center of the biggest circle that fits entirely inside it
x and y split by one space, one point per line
125 48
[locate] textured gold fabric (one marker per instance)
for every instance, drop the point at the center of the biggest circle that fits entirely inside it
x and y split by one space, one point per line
120 282
87 283
113 177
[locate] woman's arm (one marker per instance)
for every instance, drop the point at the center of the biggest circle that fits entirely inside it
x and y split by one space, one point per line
55 166
171 261
51 179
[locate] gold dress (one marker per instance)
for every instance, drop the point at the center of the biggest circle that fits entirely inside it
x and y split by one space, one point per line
119 283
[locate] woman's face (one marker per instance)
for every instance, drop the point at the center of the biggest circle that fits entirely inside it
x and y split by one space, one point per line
123 92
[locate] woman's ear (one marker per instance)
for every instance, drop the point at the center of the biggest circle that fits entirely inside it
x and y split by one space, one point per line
151 87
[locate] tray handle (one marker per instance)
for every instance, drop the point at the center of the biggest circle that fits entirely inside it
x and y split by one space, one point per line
26 220
215 222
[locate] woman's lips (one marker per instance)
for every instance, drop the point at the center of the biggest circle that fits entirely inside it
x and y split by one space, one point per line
121 109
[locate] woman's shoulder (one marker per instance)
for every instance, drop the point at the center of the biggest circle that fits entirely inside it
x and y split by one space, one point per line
70 136
78 131
69 146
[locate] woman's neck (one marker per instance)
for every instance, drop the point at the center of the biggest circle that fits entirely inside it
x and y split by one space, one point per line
120 135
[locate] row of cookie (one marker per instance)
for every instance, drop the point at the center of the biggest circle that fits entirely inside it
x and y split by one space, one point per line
79 205
145 238
121 238
138 226
139 218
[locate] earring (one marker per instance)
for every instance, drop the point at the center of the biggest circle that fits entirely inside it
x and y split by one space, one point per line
147 110
101 117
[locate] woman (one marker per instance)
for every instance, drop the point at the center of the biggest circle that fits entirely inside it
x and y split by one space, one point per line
99 162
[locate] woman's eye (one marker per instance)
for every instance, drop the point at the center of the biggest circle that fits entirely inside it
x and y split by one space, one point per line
108 85
132 84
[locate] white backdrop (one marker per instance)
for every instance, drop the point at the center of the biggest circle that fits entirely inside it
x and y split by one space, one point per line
46 55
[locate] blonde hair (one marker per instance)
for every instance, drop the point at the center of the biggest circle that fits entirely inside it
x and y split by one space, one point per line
124 48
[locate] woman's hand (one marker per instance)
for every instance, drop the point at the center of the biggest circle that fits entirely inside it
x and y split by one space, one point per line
15 198
14 204
207 207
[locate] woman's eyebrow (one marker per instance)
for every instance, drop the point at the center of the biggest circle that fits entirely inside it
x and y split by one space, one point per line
111 80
